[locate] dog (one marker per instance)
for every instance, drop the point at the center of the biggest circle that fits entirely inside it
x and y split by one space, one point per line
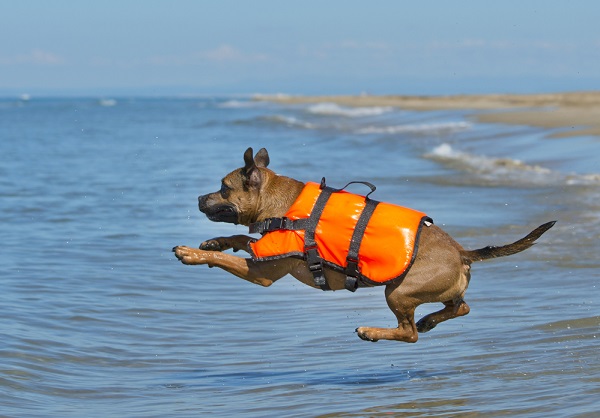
440 271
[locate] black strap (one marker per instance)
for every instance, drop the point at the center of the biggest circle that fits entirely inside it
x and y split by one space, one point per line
314 261
274 224
352 271
366 183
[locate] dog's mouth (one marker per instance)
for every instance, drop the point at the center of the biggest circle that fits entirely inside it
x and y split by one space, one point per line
221 213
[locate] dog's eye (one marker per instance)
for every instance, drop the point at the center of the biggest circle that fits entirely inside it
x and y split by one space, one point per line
224 191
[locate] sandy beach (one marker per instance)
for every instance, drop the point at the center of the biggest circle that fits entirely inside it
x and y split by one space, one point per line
571 114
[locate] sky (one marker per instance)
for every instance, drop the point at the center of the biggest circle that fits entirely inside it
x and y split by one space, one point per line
185 47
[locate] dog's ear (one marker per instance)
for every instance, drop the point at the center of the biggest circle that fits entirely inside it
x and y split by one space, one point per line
262 158
252 176
248 160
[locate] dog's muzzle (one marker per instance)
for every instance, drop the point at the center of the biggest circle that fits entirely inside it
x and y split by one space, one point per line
221 212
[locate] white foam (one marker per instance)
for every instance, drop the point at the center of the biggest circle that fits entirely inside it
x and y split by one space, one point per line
583 179
508 169
426 128
240 104
107 102
484 163
290 121
332 109
259 96
495 169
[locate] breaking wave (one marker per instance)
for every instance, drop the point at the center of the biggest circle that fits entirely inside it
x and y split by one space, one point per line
332 109
107 102
426 128
507 169
240 104
288 121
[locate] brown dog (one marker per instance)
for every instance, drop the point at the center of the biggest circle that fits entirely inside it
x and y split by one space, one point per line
440 271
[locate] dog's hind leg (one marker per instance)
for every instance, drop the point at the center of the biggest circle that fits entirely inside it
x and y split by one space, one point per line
452 309
404 309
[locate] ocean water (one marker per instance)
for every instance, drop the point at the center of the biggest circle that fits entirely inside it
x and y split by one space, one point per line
99 318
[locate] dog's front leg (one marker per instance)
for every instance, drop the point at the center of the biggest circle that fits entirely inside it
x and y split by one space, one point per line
261 273
235 242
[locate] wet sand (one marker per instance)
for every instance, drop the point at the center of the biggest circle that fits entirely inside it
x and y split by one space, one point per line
572 114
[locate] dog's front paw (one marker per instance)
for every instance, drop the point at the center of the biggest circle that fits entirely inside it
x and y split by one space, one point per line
211 245
180 252
363 334
189 255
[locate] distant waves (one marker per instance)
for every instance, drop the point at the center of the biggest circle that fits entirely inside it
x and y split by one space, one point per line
332 109
356 120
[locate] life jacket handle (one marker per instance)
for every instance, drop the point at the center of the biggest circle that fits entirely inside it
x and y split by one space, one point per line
366 183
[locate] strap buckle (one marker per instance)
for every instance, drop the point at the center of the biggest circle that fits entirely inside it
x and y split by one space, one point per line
315 265
351 265
271 224
352 272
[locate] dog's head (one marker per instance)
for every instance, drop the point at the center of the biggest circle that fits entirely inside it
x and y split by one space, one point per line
238 201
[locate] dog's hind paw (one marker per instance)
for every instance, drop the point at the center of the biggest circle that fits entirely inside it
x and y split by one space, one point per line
426 324
363 335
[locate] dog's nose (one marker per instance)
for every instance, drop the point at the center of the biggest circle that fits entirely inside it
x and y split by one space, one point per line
202 202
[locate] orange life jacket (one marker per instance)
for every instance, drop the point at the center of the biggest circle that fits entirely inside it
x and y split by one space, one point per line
373 243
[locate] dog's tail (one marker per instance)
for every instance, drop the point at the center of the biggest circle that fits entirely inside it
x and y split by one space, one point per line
510 249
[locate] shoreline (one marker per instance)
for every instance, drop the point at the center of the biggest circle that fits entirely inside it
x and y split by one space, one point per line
571 114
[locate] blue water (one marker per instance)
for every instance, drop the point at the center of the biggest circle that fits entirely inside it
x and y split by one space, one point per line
100 319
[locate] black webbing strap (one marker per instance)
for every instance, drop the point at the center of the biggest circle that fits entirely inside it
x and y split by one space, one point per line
352 271
366 183
274 224
315 263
